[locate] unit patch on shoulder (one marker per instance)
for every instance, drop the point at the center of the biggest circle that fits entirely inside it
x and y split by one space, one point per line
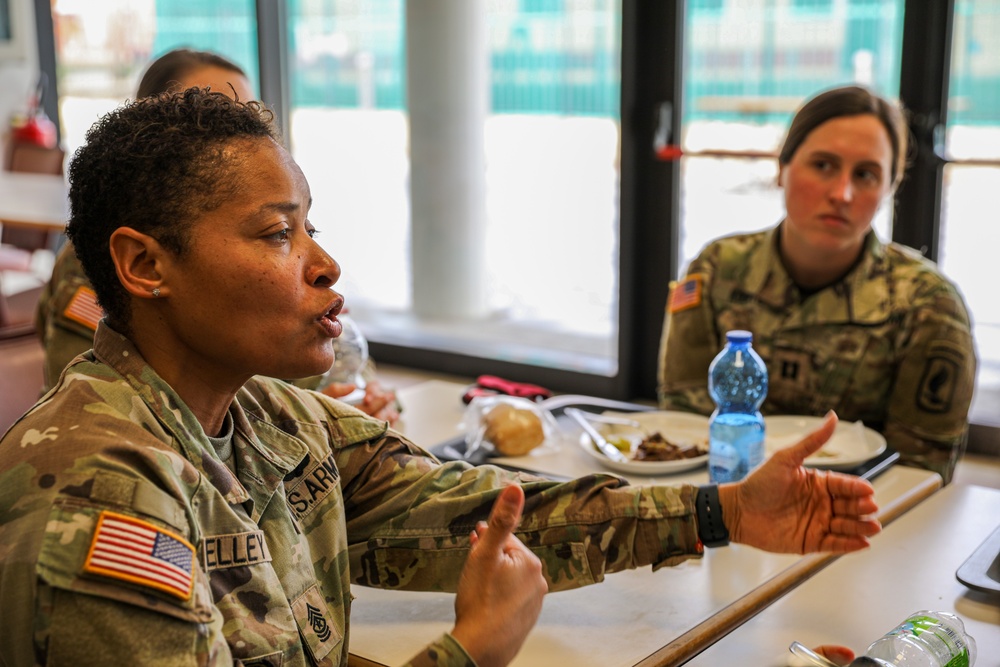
136 551
686 294
938 384
83 308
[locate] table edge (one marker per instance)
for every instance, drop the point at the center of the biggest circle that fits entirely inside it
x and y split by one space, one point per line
709 631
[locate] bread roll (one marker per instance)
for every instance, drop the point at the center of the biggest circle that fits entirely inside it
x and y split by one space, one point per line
513 431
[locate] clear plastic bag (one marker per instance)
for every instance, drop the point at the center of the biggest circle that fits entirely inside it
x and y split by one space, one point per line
507 426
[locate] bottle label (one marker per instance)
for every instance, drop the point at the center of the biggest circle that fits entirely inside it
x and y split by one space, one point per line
941 639
735 445
723 461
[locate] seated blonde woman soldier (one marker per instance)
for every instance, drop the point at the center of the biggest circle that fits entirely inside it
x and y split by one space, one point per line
845 322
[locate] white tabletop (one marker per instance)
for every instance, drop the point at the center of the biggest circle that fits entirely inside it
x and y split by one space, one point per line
634 617
434 413
910 567
33 200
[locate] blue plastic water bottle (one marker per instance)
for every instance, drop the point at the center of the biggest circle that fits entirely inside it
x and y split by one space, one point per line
737 381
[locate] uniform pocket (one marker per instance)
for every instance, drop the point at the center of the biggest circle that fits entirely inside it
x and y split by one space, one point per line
819 369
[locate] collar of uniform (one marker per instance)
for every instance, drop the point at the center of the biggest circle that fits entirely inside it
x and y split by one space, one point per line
118 353
766 277
862 296
293 409
121 355
294 423
870 283
262 474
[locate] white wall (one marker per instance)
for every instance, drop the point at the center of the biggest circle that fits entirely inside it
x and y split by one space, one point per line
18 64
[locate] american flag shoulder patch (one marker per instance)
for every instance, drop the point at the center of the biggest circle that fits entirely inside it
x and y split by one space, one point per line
136 551
687 293
83 308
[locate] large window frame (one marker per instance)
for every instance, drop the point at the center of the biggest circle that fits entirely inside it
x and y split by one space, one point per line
651 87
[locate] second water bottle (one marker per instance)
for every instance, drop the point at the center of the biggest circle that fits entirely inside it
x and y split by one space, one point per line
737 382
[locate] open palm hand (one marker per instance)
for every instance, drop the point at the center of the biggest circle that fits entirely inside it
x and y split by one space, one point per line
785 507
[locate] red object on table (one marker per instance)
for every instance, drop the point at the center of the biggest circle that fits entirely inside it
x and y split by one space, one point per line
491 385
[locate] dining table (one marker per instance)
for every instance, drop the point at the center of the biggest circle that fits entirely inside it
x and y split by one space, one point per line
33 201
914 566
636 617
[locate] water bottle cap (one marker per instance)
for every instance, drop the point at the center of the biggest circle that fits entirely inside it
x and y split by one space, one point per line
739 336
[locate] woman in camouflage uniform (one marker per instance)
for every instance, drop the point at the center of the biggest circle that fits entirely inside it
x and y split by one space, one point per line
844 322
67 312
168 503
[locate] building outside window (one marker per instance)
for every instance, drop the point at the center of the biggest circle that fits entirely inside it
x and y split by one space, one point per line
550 136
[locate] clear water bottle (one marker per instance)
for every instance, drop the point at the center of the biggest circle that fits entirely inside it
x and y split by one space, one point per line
925 639
350 350
737 381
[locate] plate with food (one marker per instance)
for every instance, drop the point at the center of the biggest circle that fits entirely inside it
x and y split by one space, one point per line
654 443
851 444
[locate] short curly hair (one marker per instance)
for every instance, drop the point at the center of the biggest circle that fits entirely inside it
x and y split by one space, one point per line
154 165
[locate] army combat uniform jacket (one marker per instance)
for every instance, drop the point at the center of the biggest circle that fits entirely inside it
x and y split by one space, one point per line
889 344
67 315
125 540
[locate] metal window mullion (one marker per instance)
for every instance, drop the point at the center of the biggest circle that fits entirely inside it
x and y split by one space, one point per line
273 58
652 60
923 90
47 61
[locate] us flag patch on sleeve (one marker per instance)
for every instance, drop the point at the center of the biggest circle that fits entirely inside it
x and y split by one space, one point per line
686 294
138 552
83 308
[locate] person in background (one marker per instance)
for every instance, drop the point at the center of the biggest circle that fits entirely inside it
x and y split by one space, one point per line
67 313
844 322
169 501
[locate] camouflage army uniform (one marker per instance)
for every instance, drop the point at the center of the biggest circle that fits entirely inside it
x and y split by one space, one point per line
67 315
65 330
889 344
256 567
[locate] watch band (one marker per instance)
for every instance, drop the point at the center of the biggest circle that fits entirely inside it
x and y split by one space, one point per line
711 528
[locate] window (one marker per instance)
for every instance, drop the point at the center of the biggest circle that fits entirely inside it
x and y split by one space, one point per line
12 30
972 145
6 24
703 6
813 6
520 263
747 69
102 48
560 162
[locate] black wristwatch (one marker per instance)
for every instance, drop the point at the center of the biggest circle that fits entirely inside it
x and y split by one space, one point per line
711 528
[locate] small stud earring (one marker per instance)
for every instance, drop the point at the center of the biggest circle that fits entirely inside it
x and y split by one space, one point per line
156 292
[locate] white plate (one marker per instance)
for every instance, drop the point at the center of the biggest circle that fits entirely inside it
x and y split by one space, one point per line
680 427
851 444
